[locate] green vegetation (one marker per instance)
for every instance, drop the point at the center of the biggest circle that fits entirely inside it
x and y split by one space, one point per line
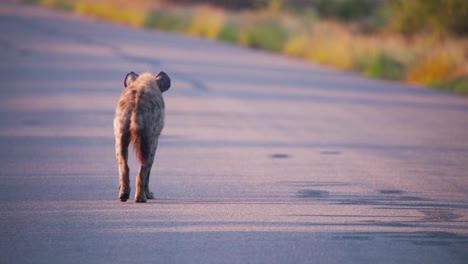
458 85
264 34
229 33
169 21
386 67
418 41
345 10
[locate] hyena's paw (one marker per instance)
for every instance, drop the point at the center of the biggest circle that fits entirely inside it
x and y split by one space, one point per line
124 194
149 194
140 198
124 197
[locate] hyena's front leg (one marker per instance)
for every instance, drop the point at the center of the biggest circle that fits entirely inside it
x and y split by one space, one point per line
121 153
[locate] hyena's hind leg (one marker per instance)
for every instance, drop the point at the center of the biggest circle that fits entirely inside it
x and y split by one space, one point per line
149 194
121 152
142 180
140 195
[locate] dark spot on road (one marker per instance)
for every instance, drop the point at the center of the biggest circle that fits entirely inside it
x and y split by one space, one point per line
411 198
315 184
356 237
431 238
312 194
279 156
391 192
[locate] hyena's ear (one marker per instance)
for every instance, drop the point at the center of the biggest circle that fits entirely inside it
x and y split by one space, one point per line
164 82
129 78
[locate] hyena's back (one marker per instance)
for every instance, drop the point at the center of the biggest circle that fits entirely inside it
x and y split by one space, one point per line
139 116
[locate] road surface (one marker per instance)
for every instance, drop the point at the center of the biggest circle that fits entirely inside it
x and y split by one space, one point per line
264 159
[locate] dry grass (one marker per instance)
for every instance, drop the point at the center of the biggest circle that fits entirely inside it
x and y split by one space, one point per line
105 10
207 22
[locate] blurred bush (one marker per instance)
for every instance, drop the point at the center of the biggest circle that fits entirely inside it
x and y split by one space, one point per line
207 22
129 15
297 46
386 67
330 44
167 20
345 10
436 66
413 16
266 34
229 33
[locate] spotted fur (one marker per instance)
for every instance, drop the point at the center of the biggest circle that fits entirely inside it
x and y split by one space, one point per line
139 120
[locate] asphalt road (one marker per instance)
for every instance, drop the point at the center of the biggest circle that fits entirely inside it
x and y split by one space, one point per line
264 159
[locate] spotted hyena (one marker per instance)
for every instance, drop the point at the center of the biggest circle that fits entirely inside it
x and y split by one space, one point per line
139 119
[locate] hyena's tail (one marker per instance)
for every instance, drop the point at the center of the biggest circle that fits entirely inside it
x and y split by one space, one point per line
139 137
